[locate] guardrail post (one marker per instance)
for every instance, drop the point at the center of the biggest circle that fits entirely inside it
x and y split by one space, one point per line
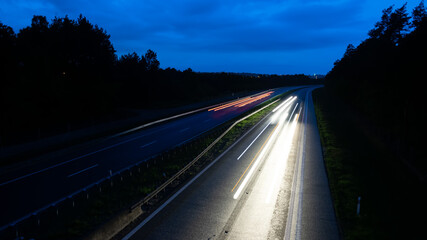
358 206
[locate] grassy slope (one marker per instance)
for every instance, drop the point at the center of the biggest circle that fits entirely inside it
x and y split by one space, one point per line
359 164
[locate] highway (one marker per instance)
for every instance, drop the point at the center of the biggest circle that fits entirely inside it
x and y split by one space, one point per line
29 189
270 184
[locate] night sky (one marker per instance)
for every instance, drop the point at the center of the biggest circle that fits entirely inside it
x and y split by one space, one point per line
257 36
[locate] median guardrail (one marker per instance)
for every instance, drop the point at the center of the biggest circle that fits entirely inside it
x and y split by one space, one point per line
190 164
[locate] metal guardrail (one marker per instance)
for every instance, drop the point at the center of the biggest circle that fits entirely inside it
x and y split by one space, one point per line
190 164
147 198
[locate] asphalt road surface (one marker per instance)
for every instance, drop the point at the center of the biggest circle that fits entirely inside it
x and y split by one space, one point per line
33 188
271 184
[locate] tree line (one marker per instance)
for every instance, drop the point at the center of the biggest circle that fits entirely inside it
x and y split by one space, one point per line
383 78
65 74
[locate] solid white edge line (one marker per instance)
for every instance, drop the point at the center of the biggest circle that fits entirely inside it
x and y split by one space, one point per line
298 230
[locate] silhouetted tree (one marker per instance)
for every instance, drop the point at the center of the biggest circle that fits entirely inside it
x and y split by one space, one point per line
381 26
151 59
380 78
392 26
419 14
130 64
64 73
57 73
8 61
349 51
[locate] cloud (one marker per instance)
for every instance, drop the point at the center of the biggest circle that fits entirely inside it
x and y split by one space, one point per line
251 26
216 25
212 28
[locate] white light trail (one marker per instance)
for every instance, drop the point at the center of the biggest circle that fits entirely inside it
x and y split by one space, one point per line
282 108
287 100
280 152
263 151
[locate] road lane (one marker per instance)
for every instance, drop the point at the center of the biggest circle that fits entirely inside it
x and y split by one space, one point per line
35 188
316 194
210 209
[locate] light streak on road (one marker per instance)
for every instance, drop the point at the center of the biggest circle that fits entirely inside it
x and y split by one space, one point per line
263 150
285 102
242 102
262 147
254 99
280 110
228 105
280 153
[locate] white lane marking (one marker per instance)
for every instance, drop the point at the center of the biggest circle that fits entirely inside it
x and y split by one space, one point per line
148 144
152 215
263 152
255 165
136 229
96 165
183 130
77 158
71 160
253 141
106 148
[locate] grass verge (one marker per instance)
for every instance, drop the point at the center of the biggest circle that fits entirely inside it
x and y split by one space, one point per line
358 163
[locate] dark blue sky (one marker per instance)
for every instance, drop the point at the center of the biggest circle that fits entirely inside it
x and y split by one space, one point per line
259 36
